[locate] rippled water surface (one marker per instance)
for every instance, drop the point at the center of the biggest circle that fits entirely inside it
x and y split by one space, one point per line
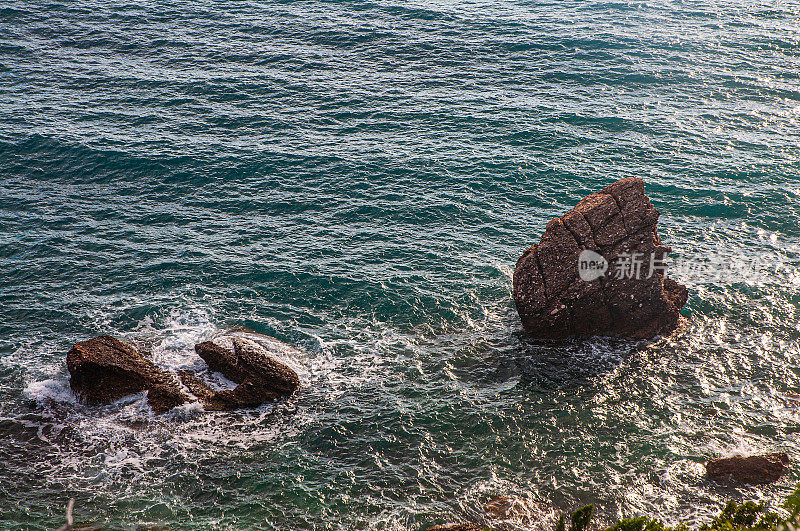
358 180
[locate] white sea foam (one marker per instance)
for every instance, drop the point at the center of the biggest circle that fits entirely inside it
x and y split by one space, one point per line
50 390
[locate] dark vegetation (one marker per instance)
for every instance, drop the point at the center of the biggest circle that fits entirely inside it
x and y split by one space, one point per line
748 516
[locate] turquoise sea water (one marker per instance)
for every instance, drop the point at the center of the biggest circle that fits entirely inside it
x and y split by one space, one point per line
358 180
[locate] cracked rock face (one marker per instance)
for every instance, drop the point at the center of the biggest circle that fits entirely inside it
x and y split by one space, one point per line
632 298
105 369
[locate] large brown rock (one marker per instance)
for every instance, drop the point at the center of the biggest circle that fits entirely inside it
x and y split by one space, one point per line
105 369
250 364
618 223
755 469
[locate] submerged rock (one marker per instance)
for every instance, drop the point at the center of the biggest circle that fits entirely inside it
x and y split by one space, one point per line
755 469
600 270
260 377
469 526
502 507
508 507
105 369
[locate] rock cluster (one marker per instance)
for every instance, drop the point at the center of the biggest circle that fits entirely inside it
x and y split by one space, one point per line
610 236
105 369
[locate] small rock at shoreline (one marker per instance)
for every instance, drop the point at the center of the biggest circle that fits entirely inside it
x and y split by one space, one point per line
755 469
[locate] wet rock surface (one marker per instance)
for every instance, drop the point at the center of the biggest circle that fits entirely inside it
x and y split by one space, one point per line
633 298
195 385
105 369
755 469
260 377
